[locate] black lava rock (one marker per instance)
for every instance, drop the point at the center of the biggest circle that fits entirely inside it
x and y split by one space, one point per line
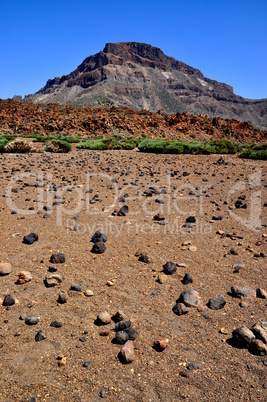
57 258
30 238
121 337
56 324
40 336
132 333
216 303
123 211
122 325
99 237
8 300
98 248
169 268
187 279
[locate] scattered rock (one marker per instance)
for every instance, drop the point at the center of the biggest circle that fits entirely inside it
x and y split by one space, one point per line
99 237
216 303
169 268
127 352
88 293
52 268
162 278
237 267
191 219
145 258
257 347
5 268
9 300
119 316
242 291
62 361
62 298
24 277
184 374
187 279
159 217
31 320
58 258
104 318
190 298
161 344
40 336
52 280
123 211
75 288
56 324
260 332
261 293
98 248
132 333
121 337
180 309
122 325
30 238
224 331
243 335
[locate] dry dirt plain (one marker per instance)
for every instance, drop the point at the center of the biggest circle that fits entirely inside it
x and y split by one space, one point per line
83 189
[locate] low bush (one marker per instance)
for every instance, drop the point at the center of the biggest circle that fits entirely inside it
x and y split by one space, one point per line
109 143
3 142
254 152
187 147
223 146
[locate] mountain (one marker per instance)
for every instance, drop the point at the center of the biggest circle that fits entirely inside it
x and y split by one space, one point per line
141 76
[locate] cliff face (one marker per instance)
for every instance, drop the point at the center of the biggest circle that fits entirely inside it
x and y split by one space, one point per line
141 76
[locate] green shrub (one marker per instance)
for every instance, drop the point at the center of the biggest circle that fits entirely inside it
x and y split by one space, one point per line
108 144
72 140
223 146
187 147
254 152
3 142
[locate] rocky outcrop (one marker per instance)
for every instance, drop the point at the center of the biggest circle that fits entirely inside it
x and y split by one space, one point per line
141 76
27 118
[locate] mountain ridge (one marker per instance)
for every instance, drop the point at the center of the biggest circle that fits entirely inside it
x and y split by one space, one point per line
140 76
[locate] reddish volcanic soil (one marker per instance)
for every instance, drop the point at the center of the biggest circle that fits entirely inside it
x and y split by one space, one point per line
80 361
26 118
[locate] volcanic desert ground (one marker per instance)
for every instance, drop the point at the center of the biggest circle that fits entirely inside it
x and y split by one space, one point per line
66 302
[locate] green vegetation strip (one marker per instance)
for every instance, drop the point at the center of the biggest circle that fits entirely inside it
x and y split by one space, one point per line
160 146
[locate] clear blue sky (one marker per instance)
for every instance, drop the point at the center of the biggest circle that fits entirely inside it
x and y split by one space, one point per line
41 39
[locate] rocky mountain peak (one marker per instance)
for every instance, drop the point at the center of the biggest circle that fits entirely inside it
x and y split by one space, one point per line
140 76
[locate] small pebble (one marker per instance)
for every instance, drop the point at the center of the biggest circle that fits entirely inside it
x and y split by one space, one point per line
104 318
56 324
127 352
161 344
122 337
88 293
57 258
5 268
24 277
40 336
30 238
9 300
169 268
122 325
31 320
